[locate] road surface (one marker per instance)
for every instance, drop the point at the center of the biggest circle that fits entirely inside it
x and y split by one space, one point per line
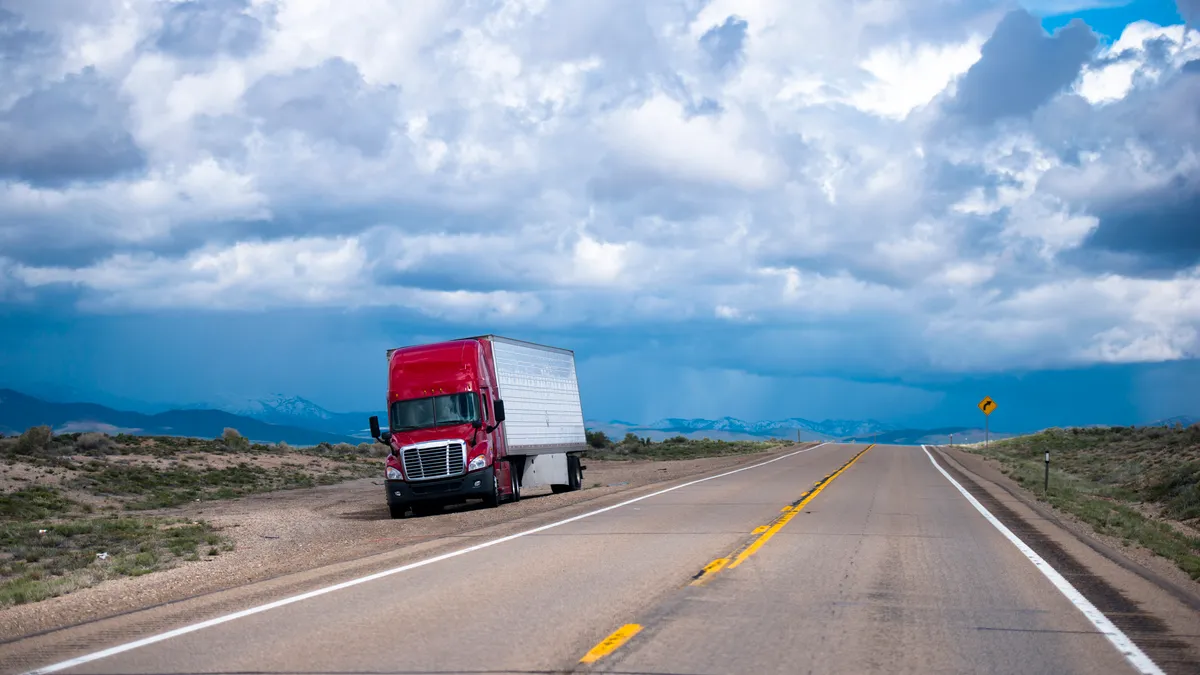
838 559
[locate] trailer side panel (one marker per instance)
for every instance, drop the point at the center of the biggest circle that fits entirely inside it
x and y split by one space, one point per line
541 397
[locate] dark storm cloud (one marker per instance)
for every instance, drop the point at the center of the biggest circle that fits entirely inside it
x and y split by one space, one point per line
1156 231
330 101
203 29
724 43
1151 232
1020 68
70 130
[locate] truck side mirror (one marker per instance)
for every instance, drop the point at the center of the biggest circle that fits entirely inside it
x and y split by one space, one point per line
498 409
374 426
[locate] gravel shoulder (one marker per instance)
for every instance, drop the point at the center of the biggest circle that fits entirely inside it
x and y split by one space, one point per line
1155 603
283 533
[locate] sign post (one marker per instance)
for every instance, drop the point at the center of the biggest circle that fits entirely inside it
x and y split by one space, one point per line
987 405
1046 487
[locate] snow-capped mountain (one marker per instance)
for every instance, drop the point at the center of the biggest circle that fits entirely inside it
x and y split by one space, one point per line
280 405
300 412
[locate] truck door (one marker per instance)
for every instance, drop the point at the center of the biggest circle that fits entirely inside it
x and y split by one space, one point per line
497 440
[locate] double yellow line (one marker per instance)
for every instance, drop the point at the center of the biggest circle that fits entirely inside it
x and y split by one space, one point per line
623 634
739 556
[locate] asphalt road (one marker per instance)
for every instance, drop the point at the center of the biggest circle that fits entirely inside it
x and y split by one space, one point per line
885 567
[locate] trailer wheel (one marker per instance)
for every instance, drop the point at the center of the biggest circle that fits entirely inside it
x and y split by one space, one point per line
574 477
575 472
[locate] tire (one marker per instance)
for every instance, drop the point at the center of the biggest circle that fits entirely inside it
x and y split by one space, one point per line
574 477
492 500
575 472
397 510
516 484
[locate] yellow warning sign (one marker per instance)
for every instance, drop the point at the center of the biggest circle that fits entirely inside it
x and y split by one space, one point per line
987 405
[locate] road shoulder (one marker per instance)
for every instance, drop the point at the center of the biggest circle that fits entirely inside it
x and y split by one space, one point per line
1156 612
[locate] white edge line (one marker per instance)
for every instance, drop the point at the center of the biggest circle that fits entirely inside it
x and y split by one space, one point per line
1136 657
184 630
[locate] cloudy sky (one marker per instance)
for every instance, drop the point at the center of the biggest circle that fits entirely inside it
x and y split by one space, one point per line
766 208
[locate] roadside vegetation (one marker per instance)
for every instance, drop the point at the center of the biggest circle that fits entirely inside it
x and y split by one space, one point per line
151 472
1139 484
75 509
50 546
633 447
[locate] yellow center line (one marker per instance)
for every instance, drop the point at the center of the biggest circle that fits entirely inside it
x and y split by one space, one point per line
768 531
611 643
623 634
771 531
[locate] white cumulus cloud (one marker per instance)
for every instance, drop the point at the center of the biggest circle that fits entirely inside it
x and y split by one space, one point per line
881 182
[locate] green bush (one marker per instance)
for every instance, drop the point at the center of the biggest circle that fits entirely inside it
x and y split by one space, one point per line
597 439
33 503
35 440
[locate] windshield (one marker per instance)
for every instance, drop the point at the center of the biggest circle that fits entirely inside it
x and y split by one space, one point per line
435 411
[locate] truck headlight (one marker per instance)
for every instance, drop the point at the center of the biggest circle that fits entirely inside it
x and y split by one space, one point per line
477 463
394 474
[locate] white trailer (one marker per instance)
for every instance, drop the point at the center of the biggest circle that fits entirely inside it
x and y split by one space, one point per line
543 426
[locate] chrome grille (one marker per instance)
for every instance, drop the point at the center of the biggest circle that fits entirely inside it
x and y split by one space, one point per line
434 460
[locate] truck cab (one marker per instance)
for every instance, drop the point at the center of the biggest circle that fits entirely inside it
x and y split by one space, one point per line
446 431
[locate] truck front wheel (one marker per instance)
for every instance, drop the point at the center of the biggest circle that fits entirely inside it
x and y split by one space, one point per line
492 499
397 510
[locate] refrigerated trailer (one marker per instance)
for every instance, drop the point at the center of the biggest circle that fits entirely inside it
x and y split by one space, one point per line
479 418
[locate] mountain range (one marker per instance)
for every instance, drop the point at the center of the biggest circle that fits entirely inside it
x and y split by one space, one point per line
299 421
19 412
296 412
733 429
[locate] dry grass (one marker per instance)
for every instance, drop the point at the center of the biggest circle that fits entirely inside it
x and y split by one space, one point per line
60 528
49 545
1140 484
137 473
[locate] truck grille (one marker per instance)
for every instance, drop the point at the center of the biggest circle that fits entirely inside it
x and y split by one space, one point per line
434 460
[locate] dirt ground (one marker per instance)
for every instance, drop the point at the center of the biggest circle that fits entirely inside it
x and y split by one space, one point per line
289 531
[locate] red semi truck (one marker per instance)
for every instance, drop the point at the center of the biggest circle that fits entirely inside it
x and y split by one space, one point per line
479 418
